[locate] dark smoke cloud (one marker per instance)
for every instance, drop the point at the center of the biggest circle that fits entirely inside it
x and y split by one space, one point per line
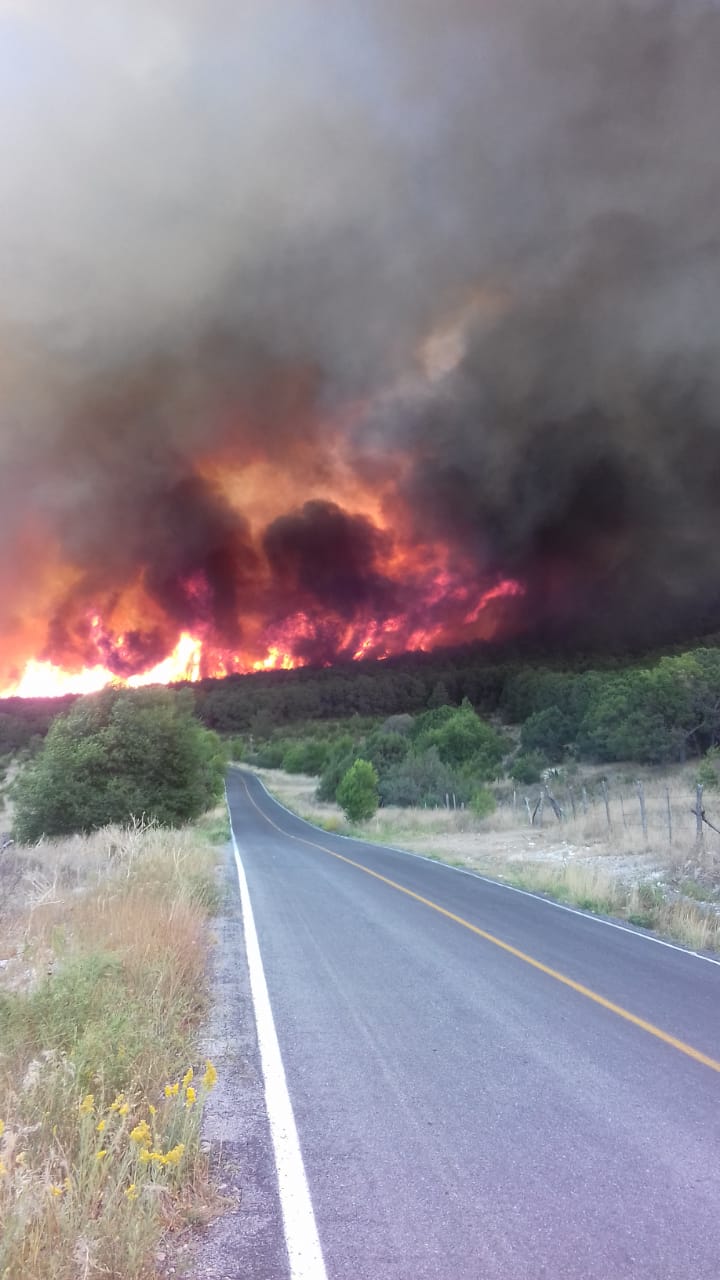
329 560
225 223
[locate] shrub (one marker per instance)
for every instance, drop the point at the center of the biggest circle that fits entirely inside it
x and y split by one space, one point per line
528 768
422 779
309 756
270 755
707 773
483 803
357 793
462 738
338 763
116 755
547 731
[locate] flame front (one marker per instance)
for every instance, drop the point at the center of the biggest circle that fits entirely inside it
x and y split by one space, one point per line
376 595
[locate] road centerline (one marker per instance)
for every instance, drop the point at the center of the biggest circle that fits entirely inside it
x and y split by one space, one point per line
626 1015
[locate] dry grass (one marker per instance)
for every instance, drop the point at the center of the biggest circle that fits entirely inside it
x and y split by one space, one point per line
102 991
670 886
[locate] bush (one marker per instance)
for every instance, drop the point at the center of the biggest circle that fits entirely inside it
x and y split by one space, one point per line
528 768
339 761
462 738
116 755
270 755
547 731
483 803
707 773
423 779
357 793
309 756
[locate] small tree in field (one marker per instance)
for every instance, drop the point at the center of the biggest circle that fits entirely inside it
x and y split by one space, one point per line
357 792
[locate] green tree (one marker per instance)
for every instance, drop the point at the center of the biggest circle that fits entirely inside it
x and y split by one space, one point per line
462 738
528 768
116 755
357 793
548 731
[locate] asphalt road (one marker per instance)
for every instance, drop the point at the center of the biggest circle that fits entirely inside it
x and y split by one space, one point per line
463 1114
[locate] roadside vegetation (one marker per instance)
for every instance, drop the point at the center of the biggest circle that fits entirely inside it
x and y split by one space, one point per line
106 896
103 988
118 755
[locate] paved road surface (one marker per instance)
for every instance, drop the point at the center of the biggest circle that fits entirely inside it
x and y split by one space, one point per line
463 1114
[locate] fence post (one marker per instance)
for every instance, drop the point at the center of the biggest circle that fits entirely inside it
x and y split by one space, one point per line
584 800
622 810
669 814
606 798
538 810
529 810
643 810
699 814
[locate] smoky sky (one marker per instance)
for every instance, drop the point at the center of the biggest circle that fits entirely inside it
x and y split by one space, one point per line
240 231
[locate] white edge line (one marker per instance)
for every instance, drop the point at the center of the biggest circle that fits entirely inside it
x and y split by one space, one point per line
301 1234
499 884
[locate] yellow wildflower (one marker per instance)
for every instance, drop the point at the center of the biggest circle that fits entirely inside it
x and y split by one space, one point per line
190 1096
146 1157
171 1090
118 1102
210 1077
187 1077
2 1128
87 1104
100 1126
152 1110
175 1155
56 1191
123 1110
131 1192
100 1155
141 1133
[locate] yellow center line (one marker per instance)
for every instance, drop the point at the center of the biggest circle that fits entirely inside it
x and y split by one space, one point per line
582 990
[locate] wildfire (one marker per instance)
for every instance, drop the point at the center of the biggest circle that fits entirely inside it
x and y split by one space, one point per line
248 570
192 657
46 680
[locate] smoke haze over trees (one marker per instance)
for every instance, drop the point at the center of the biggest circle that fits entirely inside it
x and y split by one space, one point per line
290 291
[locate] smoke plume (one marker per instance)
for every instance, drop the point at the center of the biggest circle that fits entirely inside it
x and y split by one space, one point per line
320 322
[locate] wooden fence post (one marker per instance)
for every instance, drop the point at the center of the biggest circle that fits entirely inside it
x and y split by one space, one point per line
699 814
606 798
622 810
529 811
643 810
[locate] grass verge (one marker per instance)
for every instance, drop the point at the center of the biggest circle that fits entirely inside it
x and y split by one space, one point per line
102 992
645 904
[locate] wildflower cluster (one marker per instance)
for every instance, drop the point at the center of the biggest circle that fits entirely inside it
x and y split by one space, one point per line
117 1151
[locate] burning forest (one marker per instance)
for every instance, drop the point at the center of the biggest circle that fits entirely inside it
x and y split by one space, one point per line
337 336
